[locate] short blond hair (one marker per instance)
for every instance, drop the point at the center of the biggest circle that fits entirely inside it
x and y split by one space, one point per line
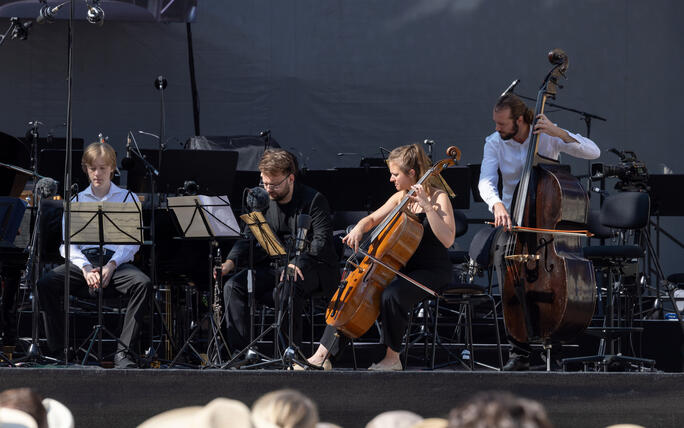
98 150
285 408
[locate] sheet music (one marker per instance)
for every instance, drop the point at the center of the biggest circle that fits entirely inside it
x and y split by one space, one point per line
121 224
216 209
219 208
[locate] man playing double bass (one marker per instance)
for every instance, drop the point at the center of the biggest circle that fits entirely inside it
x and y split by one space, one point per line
505 150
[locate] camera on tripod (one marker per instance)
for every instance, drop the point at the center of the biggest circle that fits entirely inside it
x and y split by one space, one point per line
630 171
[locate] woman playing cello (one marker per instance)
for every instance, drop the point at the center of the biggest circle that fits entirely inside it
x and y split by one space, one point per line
429 265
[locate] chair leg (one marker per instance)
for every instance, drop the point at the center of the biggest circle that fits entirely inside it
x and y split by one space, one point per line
351 342
408 339
469 333
496 328
434 334
311 321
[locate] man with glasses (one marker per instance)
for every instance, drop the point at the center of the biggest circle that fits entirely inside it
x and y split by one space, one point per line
314 270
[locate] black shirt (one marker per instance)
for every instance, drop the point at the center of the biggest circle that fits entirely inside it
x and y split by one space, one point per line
282 218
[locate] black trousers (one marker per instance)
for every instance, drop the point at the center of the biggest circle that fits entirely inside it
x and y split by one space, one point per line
126 280
397 300
10 274
267 291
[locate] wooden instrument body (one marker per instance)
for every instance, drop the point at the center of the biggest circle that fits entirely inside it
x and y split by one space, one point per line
559 288
354 308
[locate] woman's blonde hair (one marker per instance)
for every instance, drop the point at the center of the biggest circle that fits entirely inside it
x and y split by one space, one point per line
413 157
98 150
284 408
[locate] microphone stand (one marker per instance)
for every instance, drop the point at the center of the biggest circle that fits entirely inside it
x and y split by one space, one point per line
67 180
153 174
292 351
18 29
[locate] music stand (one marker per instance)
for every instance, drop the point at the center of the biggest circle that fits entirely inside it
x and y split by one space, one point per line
205 217
51 164
459 179
104 223
181 166
263 233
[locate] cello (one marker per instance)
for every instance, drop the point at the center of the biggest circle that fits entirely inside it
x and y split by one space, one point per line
356 304
549 287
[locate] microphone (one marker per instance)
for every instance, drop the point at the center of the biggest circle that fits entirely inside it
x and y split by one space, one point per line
127 162
265 133
303 225
47 13
95 15
160 82
257 199
46 187
511 87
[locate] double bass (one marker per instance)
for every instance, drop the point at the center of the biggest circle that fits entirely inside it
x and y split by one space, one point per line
356 303
549 287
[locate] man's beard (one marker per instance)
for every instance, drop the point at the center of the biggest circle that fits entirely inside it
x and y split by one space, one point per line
279 196
510 134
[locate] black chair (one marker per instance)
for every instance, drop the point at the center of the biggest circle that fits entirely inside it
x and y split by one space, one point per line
464 294
621 218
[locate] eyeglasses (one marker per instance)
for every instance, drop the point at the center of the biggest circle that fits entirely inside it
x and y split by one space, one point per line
271 185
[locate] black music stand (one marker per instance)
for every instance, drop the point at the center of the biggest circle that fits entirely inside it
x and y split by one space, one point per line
11 213
664 204
262 232
338 182
181 166
205 217
51 164
458 178
104 223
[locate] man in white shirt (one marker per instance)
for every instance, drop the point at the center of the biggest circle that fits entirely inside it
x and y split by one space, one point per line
118 274
505 151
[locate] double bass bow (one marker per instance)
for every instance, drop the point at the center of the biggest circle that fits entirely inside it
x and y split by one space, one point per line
549 287
356 303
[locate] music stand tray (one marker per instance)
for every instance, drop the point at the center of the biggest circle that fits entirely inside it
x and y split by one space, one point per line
104 223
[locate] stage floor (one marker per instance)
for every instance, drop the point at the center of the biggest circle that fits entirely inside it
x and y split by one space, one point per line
125 398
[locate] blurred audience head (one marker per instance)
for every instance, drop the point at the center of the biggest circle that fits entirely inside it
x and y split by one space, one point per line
431 423
395 419
219 413
13 418
27 401
284 408
499 410
58 415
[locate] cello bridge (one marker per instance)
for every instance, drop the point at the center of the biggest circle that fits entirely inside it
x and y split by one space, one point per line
522 258
361 270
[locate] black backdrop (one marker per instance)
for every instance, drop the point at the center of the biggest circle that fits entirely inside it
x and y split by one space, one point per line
352 75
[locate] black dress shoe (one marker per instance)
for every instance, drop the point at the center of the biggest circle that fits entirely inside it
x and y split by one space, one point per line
517 363
121 361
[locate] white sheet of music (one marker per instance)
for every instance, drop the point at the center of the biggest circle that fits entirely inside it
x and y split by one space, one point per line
216 210
121 222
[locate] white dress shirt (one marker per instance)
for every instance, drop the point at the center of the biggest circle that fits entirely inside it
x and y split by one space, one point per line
509 157
122 253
